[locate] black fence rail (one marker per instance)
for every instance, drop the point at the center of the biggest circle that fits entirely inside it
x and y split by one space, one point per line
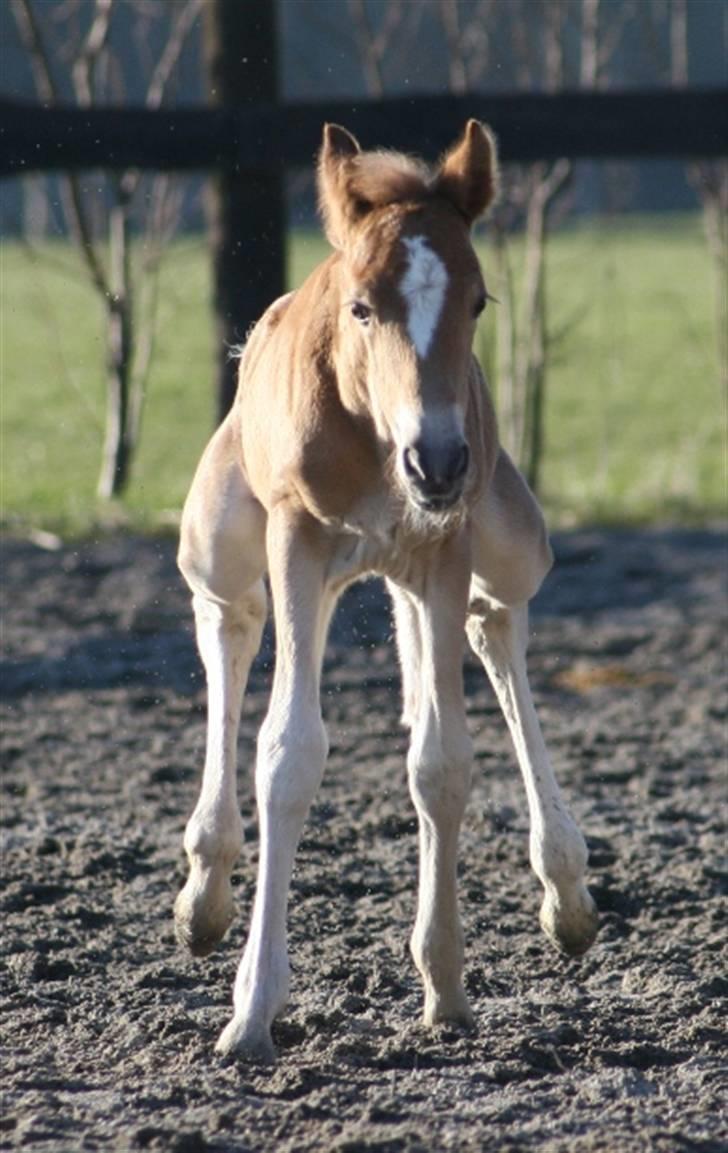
263 137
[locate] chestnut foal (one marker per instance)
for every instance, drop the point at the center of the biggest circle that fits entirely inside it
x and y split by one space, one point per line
363 440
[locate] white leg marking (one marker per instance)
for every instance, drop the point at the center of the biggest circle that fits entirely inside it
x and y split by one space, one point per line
228 637
423 287
498 636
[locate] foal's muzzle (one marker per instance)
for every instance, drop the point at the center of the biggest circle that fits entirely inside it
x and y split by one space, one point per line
436 473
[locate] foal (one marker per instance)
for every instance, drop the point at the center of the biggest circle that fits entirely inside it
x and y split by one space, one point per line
363 440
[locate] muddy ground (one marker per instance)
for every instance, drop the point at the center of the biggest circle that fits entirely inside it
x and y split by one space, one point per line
109 1028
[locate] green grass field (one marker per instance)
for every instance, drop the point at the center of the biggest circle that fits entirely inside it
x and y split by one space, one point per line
635 424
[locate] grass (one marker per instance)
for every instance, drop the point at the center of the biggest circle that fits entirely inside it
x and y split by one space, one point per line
635 428
52 366
635 423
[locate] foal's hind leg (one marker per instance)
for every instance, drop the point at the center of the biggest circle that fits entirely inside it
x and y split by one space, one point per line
222 556
430 620
510 558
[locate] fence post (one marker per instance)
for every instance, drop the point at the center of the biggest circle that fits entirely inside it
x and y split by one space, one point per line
246 206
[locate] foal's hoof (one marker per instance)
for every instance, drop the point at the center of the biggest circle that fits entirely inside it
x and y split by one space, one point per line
572 924
200 924
252 1046
449 1010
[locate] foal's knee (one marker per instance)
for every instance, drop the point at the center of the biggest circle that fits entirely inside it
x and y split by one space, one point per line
439 767
291 758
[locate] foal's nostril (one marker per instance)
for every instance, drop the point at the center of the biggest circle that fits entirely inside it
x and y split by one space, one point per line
413 465
459 463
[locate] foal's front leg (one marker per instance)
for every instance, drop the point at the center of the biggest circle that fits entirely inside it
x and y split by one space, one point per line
292 750
430 623
558 853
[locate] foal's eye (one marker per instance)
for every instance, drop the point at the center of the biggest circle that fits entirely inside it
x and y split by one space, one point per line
480 304
361 312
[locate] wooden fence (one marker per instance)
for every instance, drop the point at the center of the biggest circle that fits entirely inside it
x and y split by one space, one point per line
257 137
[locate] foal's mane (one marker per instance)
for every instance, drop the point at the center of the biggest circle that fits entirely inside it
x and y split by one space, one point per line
365 181
384 177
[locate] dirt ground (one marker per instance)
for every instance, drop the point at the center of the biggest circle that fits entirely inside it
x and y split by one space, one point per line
109 1028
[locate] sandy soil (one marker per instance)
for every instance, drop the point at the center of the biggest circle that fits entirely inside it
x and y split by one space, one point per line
109 1028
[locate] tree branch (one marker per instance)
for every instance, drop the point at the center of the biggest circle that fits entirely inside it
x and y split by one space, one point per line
32 41
73 205
84 67
372 47
185 18
457 68
181 27
162 221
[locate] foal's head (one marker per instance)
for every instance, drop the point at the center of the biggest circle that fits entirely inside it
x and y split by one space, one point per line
411 291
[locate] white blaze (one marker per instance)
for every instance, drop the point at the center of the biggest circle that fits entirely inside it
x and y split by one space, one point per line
423 288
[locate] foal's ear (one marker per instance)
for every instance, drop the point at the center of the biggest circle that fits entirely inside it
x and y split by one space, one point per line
338 143
338 150
468 173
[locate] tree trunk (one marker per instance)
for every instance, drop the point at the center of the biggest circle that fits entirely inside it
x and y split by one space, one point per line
534 438
246 208
715 212
521 338
119 345
532 350
508 393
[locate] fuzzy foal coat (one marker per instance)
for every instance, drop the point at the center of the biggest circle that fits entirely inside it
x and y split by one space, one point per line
363 440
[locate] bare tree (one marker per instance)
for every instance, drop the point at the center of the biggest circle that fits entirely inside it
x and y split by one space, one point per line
533 196
78 42
711 183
